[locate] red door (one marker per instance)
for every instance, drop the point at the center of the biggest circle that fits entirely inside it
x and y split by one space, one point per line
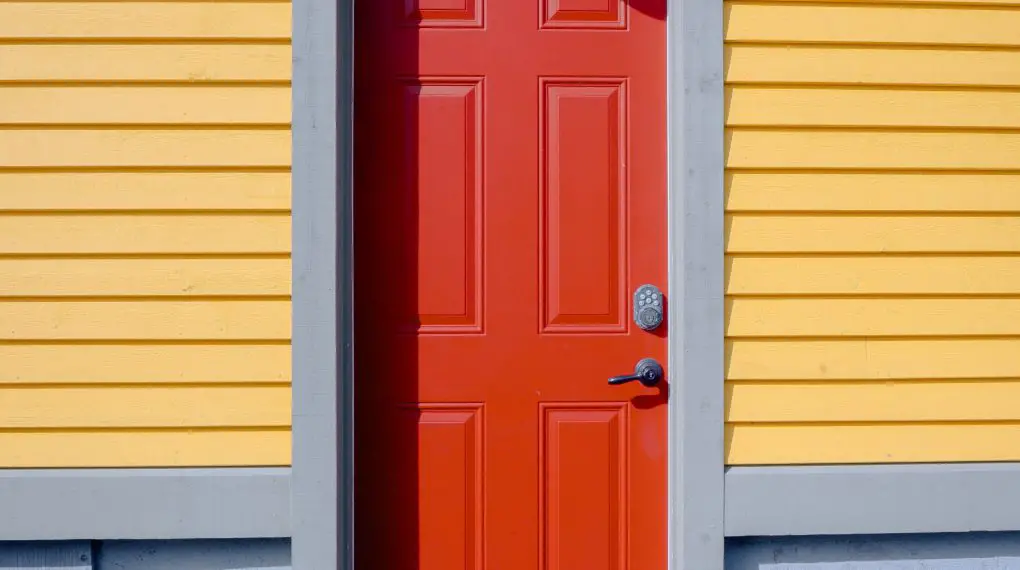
510 174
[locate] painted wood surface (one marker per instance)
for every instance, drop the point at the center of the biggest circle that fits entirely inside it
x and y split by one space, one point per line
145 233
146 20
144 447
876 65
904 358
872 231
38 191
148 104
133 361
870 23
146 63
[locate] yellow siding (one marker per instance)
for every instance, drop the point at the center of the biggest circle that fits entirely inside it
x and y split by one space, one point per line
121 406
145 233
778 359
255 192
140 362
874 24
899 442
865 401
947 3
145 64
181 277
154 105
887 191
873 231
145 447
146 20
948 66
870 275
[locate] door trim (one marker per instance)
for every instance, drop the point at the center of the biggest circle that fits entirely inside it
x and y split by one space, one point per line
696 287
322 490
322 500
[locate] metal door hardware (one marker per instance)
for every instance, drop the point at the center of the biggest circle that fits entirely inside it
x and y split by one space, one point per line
647 371
649 307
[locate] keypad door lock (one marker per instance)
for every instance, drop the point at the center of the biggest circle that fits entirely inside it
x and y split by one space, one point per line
649 307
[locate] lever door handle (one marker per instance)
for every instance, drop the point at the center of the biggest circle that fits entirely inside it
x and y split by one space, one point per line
647 371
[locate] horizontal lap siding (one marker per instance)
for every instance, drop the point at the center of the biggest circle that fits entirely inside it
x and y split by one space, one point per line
145 233
873 231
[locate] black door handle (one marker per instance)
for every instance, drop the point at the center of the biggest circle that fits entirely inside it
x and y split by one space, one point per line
647 371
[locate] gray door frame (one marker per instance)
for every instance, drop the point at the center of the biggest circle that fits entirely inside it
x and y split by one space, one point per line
322 479
322 483
696 241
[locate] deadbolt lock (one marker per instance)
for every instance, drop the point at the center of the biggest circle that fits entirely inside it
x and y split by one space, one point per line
649 307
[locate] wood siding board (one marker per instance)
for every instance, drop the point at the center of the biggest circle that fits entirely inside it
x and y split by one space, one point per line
144 105
873 275
782 106
145 20
144 191
884 317
795 444
870 24
145 447
954 4
892 192
138 148
872 231
144 406
870 234
77 361
145 320
132 62
781 148
852 65
170 276
872 359
145 234
871 401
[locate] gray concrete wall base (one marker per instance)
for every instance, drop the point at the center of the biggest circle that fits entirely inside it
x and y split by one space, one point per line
242 554
265 554
76 555
945 551
948 551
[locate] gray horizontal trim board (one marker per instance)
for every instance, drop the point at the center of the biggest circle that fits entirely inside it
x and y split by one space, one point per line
100 504
872 499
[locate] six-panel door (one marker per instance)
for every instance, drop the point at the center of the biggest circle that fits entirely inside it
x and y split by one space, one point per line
510 172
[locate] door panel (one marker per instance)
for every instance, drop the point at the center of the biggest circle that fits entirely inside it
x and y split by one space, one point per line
582 208
510 172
